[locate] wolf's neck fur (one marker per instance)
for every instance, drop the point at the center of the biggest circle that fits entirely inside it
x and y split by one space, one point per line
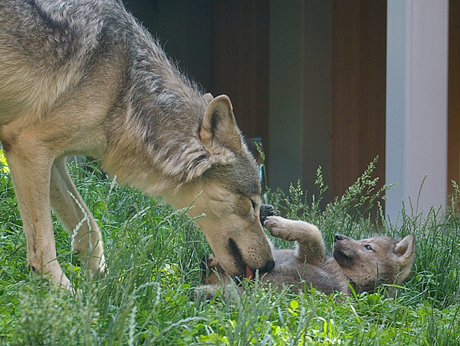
159 127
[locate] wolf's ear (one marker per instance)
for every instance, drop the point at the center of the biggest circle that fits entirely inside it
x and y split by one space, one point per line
218 129
208 98
405 250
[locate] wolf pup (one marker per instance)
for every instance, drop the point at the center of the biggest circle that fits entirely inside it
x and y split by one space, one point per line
84 77
363 264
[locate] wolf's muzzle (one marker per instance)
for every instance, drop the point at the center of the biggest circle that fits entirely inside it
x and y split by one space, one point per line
268 266
249 272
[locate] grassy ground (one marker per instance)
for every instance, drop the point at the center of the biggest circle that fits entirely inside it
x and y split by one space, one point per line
153 254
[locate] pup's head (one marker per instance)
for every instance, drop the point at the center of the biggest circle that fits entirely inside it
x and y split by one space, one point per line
228 184
374 261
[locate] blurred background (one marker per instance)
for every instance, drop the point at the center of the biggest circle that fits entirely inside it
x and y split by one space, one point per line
330 83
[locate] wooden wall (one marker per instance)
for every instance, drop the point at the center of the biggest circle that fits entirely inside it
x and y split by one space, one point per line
316 117
240 68
239 61
358 90
225 45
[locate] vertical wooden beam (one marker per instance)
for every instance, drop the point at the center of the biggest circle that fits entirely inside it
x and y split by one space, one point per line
358 90
417 95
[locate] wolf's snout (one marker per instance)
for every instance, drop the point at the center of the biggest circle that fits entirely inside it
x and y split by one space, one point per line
269 266
238 258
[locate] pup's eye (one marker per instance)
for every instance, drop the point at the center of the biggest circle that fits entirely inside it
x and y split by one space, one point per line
368 247
253 204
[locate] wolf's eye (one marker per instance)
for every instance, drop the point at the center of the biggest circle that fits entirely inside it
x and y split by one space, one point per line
253 204
368 247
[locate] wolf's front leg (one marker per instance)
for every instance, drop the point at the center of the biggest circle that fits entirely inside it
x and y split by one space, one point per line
311 248
30 164
76 218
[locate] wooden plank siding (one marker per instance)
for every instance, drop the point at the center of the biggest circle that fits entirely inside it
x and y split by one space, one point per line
239 61
358 90
240 68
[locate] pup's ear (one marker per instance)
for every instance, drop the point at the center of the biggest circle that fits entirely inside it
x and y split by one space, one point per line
405 250
218 129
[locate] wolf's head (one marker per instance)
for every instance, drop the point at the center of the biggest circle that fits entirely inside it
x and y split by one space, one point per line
228 190
374 261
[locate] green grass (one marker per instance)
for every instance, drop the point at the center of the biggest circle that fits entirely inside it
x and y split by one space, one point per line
153 254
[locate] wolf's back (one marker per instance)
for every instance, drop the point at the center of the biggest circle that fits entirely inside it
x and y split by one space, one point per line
46 46
59 30
49 46
53 51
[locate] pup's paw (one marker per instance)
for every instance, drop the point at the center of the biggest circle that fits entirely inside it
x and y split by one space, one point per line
276 225
266 210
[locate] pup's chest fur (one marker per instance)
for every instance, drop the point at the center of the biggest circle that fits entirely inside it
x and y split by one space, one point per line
292 271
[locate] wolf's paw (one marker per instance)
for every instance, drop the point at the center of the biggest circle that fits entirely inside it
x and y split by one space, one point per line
266 210
97 267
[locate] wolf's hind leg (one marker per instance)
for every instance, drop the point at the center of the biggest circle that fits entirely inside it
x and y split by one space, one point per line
310 243
76 217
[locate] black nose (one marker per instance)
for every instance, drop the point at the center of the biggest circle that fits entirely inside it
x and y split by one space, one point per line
269 266
339 237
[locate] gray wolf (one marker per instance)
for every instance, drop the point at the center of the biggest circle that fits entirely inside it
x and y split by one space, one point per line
362 264
84 77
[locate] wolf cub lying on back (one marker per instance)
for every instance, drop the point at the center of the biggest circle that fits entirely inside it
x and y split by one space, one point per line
364 264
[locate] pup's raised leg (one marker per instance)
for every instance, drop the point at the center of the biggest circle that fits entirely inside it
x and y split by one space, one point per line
76 217
310 243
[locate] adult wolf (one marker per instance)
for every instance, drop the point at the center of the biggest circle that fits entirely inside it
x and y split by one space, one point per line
84 77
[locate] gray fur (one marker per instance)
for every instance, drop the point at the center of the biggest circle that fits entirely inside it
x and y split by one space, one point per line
84 77
387 261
